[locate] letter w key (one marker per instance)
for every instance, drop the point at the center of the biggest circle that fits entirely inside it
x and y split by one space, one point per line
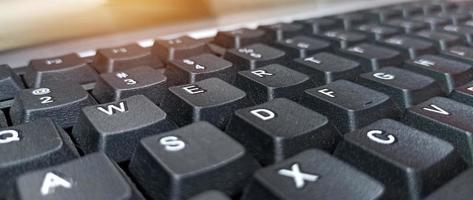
113 108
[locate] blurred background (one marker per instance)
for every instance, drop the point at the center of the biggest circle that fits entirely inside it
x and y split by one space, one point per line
33 22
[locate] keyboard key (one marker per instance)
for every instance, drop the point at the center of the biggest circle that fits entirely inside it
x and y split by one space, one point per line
240 37
457 189
343 39
211 100
461 53
312 174
70 68
116 128
61 103
123 58
197 68
178 48
348 105
210 195
122 84
280 31
408 168
273 81
351 20
93 177
434 22
324 68
408 26
3 120
254 56
302 46
409 10
383 14
185 162
10 83
317 25
448 73
31 146
378 32
410 47
441 40
278 133
464 94
456 18
447 120
372 57
465 32
405 88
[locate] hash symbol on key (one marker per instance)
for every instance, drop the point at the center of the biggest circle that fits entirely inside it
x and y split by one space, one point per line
299 177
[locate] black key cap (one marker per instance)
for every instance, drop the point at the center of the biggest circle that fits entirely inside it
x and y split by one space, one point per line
273 81
10 83
312 174
178 48
441 40
457 189
405 88
197 68
324 68
449 73
93 177
116 128
408 26
317 25
3 120
351 20
445 6
408 168
434 22
383 14
461 53
210 195
123 58
61 103
372 57
377 31
348 105
122 84
302 46
409 10
240 37
445 119
410 47
464 94
190 160
465 32
456 18
31 146
341 38
277 132
211 100
280 31
70 68
254 56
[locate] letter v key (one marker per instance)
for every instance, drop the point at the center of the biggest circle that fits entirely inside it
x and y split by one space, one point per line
436 109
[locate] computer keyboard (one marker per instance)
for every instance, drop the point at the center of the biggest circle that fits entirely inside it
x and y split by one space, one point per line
372 104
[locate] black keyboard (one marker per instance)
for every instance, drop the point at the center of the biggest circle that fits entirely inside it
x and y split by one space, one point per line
372 104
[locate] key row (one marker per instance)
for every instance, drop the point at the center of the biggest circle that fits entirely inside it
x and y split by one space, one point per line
410 170
451 26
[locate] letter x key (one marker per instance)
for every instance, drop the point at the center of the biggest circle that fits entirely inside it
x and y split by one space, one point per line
299 177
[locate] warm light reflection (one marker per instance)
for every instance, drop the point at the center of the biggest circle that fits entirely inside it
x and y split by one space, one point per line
30 22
